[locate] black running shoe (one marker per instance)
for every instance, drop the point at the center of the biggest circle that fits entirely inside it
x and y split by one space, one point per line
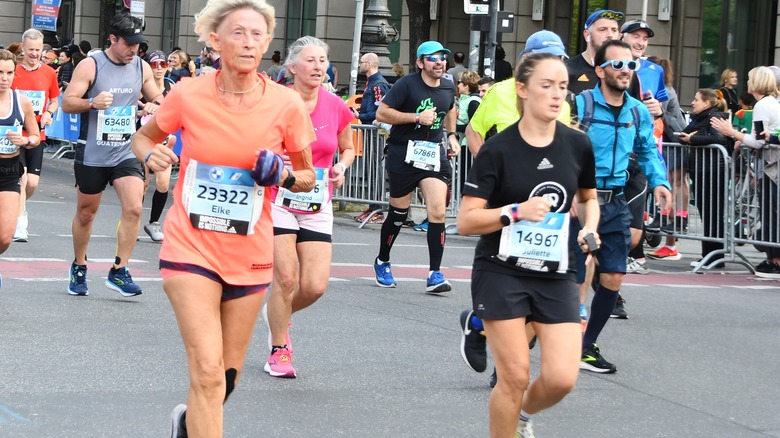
473 346
594 362
655 225
493 378
178 422
619 311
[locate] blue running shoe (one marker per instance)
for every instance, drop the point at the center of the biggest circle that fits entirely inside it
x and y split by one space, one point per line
78 280
422 226
121 281
384 276
437 283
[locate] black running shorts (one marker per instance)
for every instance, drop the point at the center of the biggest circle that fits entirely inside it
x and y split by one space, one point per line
93 180
545 300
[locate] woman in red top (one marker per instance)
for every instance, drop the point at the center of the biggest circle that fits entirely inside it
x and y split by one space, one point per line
217 256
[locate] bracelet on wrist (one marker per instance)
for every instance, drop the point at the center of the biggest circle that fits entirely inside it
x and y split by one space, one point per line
146 159
417 118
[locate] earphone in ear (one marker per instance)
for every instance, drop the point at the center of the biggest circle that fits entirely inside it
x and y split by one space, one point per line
587 39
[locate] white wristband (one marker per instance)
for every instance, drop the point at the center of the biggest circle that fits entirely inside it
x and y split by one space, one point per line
343 167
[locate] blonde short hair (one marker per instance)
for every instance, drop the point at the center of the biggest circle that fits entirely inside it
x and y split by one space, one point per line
762 81
215 11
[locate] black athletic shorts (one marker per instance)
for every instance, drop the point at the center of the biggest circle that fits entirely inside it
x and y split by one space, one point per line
32 159
93 180
403 183
546 300
11 171
635 192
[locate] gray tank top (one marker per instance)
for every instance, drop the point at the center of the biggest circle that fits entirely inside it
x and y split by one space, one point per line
109 132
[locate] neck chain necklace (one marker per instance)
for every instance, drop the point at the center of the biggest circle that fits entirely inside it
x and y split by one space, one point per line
239 92
32 68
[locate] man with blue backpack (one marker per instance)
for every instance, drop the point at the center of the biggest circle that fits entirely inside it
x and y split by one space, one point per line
618 125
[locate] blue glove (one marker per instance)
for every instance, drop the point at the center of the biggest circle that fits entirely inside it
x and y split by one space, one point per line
268 168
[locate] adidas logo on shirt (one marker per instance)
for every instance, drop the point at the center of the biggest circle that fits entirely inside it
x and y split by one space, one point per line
544 164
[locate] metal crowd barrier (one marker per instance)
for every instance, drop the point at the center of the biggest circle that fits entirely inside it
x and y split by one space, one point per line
731 200
727 208
366 181
64 129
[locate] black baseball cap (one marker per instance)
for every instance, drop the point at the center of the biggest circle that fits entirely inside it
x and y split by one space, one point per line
132 36
634 25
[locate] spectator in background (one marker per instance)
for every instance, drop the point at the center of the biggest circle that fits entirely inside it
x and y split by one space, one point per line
762 84
728 86
706 168
16 49
376 90
66 68
276 65
177 66
468 102
85 47
143 50
333 73
503 69
743 119
50 58
398 69
216 60
458 69
676 163
484 84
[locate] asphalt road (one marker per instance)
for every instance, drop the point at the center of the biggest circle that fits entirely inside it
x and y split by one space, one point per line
697 358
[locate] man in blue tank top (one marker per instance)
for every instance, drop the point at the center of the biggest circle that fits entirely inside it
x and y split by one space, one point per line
104 90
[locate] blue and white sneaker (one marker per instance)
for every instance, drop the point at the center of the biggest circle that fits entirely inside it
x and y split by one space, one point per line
422 226
121 281
78 280
383 273
437 283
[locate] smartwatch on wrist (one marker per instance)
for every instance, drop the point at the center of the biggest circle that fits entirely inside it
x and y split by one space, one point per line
289 181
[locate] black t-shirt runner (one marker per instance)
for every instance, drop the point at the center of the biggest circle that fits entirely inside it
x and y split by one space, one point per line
411 95
508 170
582 76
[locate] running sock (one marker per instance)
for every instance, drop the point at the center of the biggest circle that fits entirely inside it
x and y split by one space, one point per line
230 382
682 213
158 203
583 311
390 230
435 244
600 308
276 347
524 416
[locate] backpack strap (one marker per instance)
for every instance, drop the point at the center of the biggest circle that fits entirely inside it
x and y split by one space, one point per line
589 108
635 114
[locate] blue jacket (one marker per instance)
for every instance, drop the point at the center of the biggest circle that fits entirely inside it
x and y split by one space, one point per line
376 90
612 144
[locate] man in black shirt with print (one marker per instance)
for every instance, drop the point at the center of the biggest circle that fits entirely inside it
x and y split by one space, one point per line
421 108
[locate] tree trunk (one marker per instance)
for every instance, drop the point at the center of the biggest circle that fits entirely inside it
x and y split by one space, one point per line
419 28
